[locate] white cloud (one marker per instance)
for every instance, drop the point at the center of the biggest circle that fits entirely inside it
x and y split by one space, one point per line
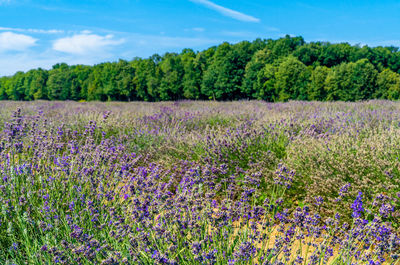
226 11
85 43
46 31
41 31
86 31
10 41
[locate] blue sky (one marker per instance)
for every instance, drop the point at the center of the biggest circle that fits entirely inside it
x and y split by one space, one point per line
41 33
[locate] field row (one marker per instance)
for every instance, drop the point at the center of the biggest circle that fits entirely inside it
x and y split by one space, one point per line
188 182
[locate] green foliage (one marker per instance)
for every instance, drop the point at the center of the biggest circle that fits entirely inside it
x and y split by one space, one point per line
317 90
292 80
172 74
266 83
192 75
388 83
251 84
223 78
273 70
309 54
352 81
59 82
334 54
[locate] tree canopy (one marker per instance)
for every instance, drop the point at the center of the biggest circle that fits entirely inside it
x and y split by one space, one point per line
273 70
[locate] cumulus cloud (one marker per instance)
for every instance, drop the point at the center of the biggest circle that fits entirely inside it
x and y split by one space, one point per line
226 11
10 41
85 43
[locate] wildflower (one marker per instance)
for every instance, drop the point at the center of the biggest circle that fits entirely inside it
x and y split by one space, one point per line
318 201
357 206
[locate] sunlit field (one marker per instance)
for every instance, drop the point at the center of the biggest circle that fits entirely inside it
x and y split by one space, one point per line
187 182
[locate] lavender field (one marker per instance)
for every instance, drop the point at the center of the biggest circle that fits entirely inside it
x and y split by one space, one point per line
187 182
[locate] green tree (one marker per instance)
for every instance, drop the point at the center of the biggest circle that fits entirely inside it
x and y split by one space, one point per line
139 80
251 85
223 79
124 81
335 54
94 85
79 89
15 86
59 82
282 47
192 75
172 74
332 82
309 53
35 84
292 78
3 94
352 81
265 85
317 90
388 83
273 70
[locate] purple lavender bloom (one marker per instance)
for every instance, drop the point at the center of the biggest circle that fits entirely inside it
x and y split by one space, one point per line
386 209
357 206
319 201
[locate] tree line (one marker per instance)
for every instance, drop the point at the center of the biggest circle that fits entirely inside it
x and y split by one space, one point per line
273 70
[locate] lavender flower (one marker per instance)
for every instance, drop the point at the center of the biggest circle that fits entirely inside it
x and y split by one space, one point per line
357 206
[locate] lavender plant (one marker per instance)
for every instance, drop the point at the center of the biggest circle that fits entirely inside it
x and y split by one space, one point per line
199 183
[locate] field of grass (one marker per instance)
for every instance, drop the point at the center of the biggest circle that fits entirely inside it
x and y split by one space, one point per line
186 182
